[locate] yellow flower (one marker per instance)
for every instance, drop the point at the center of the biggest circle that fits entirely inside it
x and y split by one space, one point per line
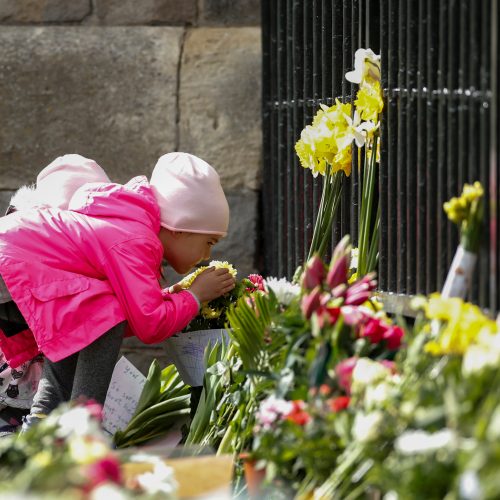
458 209
210 313
188 280
320 143
41 460
462 323
369 102
86 450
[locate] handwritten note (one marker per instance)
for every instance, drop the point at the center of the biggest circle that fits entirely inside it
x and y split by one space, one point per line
186 351
123 395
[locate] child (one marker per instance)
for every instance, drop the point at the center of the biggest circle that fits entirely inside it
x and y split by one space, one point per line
79 275
55 185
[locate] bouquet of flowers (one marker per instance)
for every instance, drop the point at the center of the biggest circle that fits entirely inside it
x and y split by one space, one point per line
67 455
326 147
213 314
467 212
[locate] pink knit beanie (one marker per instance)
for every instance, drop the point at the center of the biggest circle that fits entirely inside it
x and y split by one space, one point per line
57 182
189 194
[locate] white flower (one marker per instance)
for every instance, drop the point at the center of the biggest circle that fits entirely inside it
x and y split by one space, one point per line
161 480
366 427
469 486
368 372
354 258
107 491
78 422
378 395
477 358
284 290
271 409
366 63
417 442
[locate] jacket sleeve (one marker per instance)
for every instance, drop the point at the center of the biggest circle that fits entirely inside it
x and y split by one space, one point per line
152 315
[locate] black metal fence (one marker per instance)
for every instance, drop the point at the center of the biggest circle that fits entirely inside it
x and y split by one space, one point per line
439 129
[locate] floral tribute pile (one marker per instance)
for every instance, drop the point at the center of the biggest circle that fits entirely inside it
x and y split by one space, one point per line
68 456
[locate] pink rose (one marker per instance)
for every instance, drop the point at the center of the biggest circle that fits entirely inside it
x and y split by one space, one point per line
258 281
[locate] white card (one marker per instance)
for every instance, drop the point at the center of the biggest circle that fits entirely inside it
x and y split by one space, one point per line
123 395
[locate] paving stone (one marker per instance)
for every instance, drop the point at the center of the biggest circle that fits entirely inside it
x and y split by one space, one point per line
220 102
146 11
106 93
230 12
43 11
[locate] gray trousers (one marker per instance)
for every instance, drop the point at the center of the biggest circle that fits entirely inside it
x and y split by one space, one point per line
85 374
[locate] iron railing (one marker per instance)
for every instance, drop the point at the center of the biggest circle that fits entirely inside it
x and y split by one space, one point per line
439 129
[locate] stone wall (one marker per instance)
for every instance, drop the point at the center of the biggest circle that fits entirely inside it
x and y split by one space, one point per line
124 81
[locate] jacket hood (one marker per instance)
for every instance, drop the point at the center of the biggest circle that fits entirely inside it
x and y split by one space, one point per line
134 201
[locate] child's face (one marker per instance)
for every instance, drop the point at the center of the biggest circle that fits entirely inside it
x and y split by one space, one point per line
184 250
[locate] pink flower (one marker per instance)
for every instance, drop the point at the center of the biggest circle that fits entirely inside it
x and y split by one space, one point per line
310 303
360 291
353 316
327 315
272 409
105 470
393 336
340 403
344 373
313 273
95 409
338 272
258 281
374 330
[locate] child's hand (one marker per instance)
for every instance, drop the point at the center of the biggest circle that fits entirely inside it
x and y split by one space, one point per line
212 283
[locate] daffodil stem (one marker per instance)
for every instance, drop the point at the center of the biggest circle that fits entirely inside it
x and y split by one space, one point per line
366 260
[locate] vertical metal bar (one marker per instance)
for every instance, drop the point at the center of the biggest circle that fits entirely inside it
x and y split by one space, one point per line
452 185
409 67
484 153
420 268
393 159
291 222
442 226
282 222
473 85
383 266
494 170
402 151
298 120
432 208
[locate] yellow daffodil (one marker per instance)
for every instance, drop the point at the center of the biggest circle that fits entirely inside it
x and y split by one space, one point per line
462 323
369 102
86 450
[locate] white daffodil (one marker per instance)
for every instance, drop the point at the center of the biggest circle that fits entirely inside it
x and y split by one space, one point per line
421 442
284 290
366 65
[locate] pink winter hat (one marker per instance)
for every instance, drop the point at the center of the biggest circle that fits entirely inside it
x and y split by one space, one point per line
57 182
189 194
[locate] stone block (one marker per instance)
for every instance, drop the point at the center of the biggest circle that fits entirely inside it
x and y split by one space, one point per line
5 197
146 11
43 11
220 102
106 93
230 12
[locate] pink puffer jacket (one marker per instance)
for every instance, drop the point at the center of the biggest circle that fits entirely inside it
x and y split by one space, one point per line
76 273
